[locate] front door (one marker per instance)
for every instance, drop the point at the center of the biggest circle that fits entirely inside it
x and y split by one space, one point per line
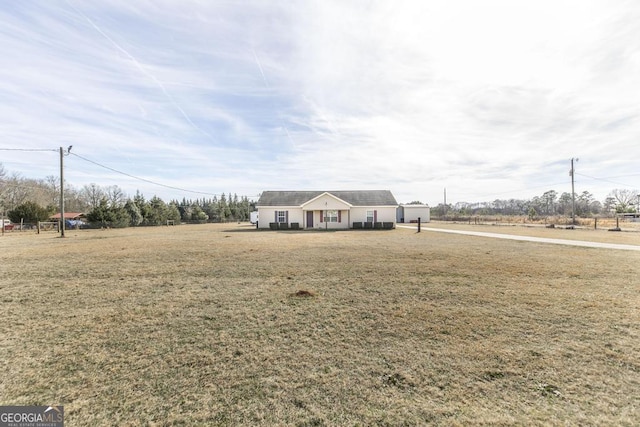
309 219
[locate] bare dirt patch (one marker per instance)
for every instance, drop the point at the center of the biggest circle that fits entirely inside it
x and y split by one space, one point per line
195 325
303 294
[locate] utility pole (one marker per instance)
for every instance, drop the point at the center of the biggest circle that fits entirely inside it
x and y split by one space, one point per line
573 193
62 192
62 154
445 204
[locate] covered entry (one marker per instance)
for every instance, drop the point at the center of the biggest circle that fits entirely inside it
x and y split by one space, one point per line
309 219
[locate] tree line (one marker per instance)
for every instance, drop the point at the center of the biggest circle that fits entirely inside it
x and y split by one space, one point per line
549 203
32 200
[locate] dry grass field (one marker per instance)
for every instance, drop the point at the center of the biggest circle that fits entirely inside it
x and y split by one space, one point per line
629 234
227 325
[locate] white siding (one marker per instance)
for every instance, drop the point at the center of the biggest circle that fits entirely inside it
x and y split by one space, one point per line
268 215
295 215
347 216
384 214
413 212
325 202
343 224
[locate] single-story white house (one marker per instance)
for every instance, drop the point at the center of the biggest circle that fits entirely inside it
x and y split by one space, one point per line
411 213
327 209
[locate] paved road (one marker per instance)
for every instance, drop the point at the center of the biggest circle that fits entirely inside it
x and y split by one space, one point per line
530 239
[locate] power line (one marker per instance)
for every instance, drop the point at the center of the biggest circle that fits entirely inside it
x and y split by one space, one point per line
142 179
27 149
8 183
120 172
514 191
607 180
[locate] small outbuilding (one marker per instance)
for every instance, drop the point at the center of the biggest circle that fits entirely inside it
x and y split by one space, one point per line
327 209
71 219
411 213
68 216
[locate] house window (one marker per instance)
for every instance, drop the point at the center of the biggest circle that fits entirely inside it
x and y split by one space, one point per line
281 216
370 216
331 216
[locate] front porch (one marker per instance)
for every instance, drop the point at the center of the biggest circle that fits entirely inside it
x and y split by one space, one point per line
330 219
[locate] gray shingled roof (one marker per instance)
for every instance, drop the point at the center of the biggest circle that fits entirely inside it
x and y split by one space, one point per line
355 198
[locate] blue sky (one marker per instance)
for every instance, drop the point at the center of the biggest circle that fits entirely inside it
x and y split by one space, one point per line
487 99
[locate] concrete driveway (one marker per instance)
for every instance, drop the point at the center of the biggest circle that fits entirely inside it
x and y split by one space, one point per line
530 239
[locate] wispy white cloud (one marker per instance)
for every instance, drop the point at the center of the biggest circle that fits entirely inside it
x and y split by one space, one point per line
489 99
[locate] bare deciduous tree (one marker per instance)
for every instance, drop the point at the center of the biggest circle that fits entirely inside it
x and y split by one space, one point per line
115 196
625 199
92 194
